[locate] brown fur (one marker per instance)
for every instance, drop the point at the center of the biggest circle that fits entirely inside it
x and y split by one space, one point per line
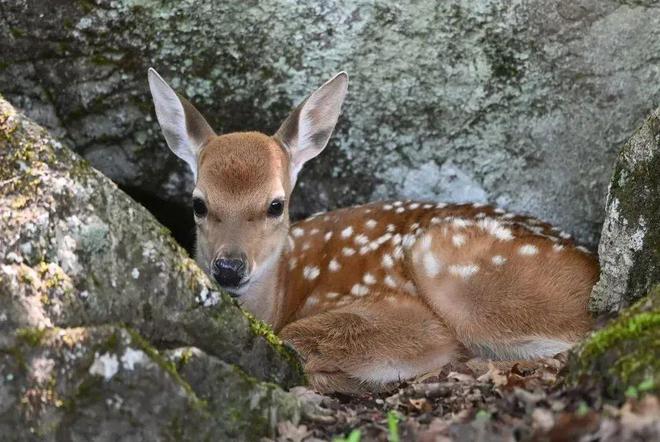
420 321
383 292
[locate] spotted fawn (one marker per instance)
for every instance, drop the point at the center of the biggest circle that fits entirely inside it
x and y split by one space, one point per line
378 293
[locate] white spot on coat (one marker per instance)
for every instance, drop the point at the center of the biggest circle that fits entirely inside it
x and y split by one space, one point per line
387 261
528 249
347 251
389 281
496 229
327 236
371 223
359 290
408 240
369 279
348 231
361 239
293 262
334 265
465 271
498 260
297 232
311 272
458 240
431 264
461 223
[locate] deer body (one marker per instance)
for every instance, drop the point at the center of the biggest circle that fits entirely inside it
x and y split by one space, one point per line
377 293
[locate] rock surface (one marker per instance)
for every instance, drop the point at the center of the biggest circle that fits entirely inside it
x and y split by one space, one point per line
629 250
84 273
106 384
523 103
622 359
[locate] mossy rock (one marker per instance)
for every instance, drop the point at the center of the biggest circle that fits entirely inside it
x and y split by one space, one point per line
75 251
629 249
107 383
622 359
519 102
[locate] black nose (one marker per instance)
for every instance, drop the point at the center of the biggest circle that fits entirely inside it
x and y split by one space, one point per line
228 271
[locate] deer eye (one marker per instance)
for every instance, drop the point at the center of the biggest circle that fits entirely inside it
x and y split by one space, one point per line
275 208
199 207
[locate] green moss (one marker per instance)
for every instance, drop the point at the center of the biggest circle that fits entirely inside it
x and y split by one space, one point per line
31 336
636 187
262 329
81 170
623 355
169 367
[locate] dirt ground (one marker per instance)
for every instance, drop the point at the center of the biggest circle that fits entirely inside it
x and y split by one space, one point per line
478 401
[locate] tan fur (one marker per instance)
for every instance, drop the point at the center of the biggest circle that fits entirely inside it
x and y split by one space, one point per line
388 291
344 334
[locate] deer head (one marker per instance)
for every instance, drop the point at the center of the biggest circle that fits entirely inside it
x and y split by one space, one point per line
243 182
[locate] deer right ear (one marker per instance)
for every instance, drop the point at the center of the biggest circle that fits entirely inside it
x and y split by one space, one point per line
308 128
185 129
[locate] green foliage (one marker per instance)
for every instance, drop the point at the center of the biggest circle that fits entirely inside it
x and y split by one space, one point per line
354 436
393 426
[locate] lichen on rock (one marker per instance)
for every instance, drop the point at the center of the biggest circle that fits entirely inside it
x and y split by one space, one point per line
629 250
78 257
509 95
622 358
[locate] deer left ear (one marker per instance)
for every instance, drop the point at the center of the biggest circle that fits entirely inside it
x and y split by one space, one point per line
307 129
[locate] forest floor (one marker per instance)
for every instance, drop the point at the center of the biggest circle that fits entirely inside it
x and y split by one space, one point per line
478 401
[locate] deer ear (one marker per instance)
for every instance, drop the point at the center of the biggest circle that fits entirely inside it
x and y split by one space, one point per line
307 129
185 129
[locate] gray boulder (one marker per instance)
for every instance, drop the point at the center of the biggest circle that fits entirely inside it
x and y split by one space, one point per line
522 103
630 243
91 286
107 384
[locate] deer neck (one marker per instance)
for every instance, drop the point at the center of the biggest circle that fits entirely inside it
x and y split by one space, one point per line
268 297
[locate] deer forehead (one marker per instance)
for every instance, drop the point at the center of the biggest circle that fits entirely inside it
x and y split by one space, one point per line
242 170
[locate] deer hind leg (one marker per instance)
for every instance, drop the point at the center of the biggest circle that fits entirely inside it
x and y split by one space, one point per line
371 344
515 299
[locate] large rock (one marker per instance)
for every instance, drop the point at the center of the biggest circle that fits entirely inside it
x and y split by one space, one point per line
523 103
107 384
78 258
629 250
623 358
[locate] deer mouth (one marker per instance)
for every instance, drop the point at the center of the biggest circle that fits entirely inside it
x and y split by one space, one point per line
237 290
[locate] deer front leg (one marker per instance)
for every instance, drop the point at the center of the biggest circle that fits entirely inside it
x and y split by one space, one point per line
369 345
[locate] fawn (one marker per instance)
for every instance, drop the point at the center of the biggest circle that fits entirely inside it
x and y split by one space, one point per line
378 293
